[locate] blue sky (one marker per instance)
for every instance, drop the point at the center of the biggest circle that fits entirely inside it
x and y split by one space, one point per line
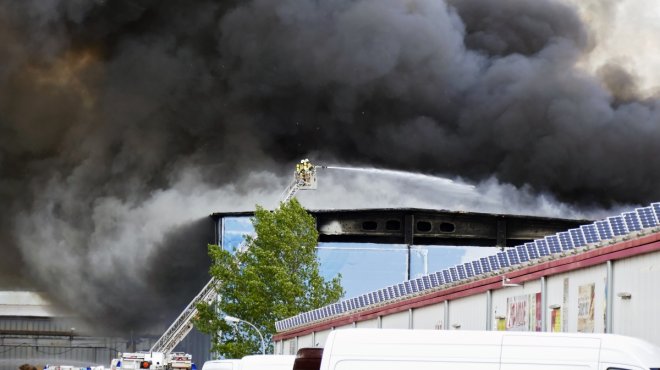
367 267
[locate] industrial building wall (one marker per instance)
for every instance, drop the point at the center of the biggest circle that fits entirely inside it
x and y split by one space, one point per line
198 345
429 317
637 315
568 299
39 341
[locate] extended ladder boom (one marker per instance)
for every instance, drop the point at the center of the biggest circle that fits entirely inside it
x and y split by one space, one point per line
303 178
183 324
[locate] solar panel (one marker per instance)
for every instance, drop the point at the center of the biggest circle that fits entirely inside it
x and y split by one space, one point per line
434 280
391 293
398 290
532 251
632 221
407 287
476 265
453 273
371 298
402 289
426 280
542 248
590 233
420 284
577 237
361 302
565 241
492 262
502 259
617 225
485 266
469 271
604 230
344 306
461 272
413 286
512 255
447 276
656 210
522 253
441 277
553 243
339 308
647 217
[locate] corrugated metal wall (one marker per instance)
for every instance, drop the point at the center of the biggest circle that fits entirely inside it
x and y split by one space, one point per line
40 341
198 345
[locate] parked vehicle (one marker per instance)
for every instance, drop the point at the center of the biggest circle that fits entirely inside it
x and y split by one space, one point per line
267 362
393 349
233 364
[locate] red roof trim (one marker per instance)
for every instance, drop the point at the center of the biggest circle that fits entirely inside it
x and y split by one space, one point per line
592 257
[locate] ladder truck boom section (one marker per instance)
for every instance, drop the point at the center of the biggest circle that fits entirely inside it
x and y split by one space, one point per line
304 178
183 324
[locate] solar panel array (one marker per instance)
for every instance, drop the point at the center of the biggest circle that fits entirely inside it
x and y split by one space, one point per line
599 231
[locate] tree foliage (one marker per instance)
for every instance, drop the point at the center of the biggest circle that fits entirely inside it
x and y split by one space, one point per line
276 277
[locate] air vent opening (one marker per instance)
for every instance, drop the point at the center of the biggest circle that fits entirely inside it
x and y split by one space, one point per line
447 227
424 226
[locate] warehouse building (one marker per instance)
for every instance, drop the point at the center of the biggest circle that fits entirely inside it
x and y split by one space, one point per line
600 277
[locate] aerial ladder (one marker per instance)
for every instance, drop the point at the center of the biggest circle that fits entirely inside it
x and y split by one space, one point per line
304 178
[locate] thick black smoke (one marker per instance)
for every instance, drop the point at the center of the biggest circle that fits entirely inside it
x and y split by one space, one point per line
107 106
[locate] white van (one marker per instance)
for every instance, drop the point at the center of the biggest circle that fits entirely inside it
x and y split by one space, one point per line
268 362
222 365
392 349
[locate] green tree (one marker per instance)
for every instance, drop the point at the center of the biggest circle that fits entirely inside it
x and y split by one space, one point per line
276 277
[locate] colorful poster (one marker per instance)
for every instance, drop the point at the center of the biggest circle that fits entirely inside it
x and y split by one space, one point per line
586 308
555 320
501 324
517 313
523 313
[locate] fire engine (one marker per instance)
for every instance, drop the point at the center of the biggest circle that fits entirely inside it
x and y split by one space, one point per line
152 361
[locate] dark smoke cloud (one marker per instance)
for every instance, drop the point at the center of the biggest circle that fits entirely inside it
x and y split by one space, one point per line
120 120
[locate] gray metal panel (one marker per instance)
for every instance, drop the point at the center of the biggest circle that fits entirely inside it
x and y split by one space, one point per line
198 345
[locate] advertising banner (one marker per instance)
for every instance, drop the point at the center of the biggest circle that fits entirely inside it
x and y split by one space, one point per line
555 320
586 308
523 313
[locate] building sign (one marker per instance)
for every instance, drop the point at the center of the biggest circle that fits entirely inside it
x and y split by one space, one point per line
586 308
523 312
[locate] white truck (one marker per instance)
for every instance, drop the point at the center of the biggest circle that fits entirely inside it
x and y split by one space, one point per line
253 362
401 349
